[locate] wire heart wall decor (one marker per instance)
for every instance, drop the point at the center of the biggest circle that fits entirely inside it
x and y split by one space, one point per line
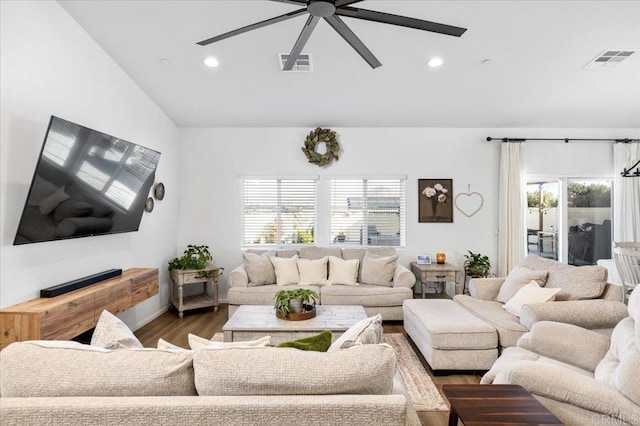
470 205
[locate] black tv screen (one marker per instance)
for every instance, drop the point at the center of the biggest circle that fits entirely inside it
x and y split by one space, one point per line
86 183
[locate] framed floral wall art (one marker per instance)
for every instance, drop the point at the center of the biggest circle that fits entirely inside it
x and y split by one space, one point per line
435 200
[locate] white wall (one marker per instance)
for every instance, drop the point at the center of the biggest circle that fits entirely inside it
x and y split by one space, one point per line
50 66
214 159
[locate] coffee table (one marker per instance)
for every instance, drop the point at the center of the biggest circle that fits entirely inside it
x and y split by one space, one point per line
495 404
251 322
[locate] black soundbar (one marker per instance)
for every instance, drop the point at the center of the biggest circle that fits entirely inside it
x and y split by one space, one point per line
63 288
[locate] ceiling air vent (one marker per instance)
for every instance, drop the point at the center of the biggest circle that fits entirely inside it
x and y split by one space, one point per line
610 58
302 64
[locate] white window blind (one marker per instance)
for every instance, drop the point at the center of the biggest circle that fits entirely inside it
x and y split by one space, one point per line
368 212
278 212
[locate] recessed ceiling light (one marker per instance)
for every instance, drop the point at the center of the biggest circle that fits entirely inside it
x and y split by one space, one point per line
435 62
165 61
211 62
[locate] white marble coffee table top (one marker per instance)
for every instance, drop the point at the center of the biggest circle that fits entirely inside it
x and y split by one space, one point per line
263 318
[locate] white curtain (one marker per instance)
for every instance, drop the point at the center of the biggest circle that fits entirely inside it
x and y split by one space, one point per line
511 214
626 194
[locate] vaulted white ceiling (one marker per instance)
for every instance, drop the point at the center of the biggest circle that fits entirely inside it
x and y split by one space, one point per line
535 76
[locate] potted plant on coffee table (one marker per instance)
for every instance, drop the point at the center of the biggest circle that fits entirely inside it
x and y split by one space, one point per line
298 304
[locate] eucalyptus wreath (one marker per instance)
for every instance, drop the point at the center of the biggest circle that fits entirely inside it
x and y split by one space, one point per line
317 136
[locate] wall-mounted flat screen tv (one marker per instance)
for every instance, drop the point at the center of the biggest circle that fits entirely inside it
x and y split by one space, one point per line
86 183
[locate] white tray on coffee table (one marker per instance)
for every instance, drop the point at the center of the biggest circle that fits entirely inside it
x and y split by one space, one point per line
251 322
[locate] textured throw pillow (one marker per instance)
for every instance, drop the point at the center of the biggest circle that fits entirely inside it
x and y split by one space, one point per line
312 272
197 342
530 293
342 271
163 344
48 204
365 332
317 342
378 270
70 369
286 270
518 278
112 333
259 268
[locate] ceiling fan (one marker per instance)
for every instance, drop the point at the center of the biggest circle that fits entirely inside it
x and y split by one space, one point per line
331 11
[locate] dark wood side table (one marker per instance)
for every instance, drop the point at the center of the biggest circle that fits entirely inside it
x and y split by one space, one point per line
434 272
495 405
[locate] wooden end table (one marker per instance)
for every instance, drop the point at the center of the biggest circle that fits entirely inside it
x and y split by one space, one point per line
183 277
495 405
434 272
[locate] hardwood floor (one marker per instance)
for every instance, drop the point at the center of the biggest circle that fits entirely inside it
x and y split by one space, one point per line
206 323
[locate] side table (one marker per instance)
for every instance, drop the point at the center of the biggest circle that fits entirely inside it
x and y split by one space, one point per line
495 405
439 273
183 277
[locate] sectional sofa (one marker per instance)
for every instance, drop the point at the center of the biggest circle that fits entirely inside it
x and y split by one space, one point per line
383 299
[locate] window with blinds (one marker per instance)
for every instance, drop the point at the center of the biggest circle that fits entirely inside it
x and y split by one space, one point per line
368 212
277 212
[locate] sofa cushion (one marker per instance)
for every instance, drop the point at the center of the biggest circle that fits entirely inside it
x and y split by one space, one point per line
262 295
313 272
286 253
518 278
576 282
365 332
506 324
259 268
367 370
197 342
314 253
112 333
530 293
342 271
358 253
378 270
62 368
365 295
286 270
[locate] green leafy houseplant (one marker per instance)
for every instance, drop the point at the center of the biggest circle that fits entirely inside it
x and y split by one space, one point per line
284 298
476 265
194 257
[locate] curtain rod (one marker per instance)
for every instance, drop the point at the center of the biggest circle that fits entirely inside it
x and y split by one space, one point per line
565 140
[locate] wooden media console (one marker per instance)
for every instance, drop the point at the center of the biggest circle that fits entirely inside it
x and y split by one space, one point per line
66 316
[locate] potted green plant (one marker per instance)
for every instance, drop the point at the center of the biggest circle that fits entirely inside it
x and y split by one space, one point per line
296 301
476 265
194 257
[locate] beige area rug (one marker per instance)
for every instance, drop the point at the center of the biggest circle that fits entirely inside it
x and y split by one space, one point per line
423 392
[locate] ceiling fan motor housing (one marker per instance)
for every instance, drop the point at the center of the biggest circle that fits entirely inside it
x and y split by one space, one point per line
321 8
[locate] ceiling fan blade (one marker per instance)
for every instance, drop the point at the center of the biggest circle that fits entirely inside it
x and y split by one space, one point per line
340 3
402 21
302 40
346 33
253 26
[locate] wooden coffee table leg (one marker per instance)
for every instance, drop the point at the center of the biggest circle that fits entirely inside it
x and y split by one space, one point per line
453 417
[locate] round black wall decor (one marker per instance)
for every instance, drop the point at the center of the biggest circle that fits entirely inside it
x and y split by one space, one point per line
319 136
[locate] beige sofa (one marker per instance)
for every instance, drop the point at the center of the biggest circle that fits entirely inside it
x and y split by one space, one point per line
468 332
41 384
376 299
583 377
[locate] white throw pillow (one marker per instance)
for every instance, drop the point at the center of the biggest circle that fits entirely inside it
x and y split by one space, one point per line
342 271
365 332
163 344
518 278
286 270
531 293
313 272
259 268
378 270
112 333
197 342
